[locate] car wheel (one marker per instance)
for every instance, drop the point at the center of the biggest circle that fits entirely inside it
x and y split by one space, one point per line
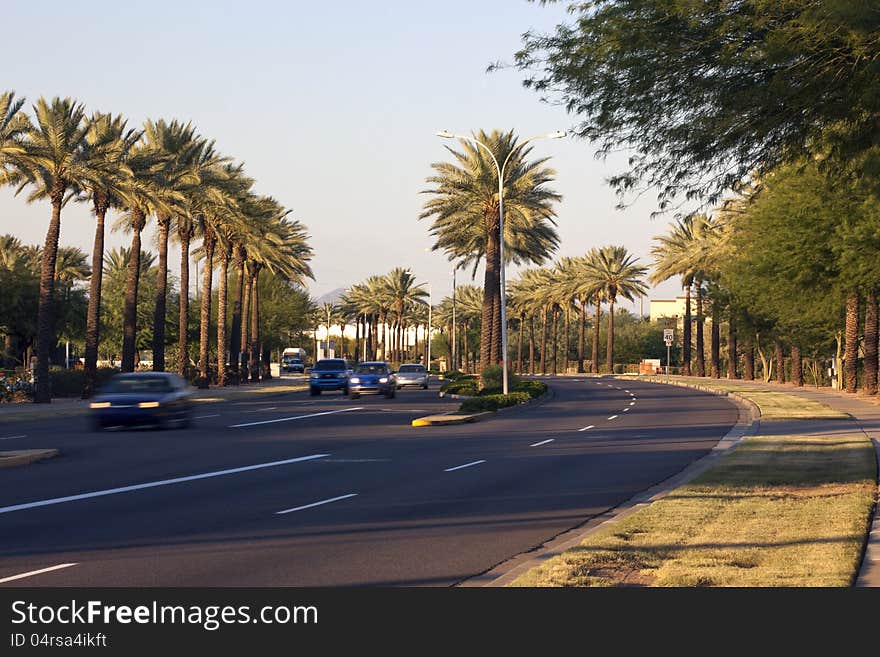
314 392
345 390
97 425
185 421
425 386
390 394
354 395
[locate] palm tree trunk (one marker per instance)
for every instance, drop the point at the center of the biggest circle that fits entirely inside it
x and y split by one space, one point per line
595 355
871 343
255 324
489 340
531 344
235 337
205 315
46 308
749 359
555 339
544 342
732 357
164 222
582 322
701 348
245 324
464 337
93 315
221 317
716 342
687 328
797 370
565 343
184 233
780 361
519 351
129 318
852 340
609 356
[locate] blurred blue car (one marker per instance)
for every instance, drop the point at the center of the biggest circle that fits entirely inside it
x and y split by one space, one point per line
329 374
372 378
159 398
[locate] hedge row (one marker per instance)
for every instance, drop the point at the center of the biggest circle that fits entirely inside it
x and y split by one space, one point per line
493 402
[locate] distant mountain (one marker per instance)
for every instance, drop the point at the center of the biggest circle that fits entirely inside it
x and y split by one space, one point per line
331 297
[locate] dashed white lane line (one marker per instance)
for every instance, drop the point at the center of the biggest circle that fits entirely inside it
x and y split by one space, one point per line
626 410
466 465
632 403
205 417
155 484
298 417
543 442
592 426
37 572
314 504
24 435
613 417
627 392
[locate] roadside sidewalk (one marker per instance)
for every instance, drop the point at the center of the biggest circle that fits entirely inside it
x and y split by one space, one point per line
66 406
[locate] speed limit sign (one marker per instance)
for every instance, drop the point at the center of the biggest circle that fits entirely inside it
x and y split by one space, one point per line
668 336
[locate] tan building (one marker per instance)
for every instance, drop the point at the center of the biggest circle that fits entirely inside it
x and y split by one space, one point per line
666 309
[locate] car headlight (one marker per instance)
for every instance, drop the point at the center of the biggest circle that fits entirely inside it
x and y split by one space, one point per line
384 379
99 405
355 379
153 404
315 375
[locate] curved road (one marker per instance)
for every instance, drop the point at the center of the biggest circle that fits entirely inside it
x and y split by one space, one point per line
297 491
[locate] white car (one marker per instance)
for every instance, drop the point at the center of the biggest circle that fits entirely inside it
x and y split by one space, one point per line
412 375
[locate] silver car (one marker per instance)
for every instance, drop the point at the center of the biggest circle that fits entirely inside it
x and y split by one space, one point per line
412 375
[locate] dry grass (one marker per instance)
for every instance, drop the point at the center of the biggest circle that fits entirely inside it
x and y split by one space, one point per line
774 405
778 511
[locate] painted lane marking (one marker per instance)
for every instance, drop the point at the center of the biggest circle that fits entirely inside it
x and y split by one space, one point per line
298 417
271 408
205 417
37 572
314 504
592 426
627 392
543 442
154 484
24 435
466 465
613 417
626 410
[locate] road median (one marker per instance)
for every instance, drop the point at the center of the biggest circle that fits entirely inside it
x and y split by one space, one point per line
456 418
25 456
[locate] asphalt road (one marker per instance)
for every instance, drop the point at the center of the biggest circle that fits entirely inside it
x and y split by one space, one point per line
297 491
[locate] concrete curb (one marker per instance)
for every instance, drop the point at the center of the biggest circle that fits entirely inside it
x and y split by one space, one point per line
25 456
747 425
460 418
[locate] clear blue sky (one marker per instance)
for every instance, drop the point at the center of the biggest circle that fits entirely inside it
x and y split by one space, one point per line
332 106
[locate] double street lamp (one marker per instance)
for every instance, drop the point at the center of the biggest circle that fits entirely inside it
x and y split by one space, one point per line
500 169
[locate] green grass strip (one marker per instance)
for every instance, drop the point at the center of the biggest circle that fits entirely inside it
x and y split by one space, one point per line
777 511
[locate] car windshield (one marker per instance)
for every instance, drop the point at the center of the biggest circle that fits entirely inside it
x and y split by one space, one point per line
371 368
411 368
139 384
329 365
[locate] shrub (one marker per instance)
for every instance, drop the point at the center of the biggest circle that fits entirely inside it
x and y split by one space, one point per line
70 383
493 402
492 378
532 388
17 388
461 386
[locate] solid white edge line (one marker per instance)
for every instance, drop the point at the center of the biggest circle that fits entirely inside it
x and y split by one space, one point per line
592 426
37 572
314 504
543 442
154 484
466 465
298 417
24 435
613 417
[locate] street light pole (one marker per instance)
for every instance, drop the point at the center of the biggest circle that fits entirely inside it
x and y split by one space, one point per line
430 300
453 359
500 169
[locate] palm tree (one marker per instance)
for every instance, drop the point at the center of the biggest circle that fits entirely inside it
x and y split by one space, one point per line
182 150
465 208
615 269
14 125
672 255
400 290
107 138
55 161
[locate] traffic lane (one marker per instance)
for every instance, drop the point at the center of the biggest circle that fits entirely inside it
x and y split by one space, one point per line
423 504
123 457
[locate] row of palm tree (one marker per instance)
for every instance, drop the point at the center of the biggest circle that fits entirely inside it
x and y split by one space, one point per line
383 308
603 276
166 172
